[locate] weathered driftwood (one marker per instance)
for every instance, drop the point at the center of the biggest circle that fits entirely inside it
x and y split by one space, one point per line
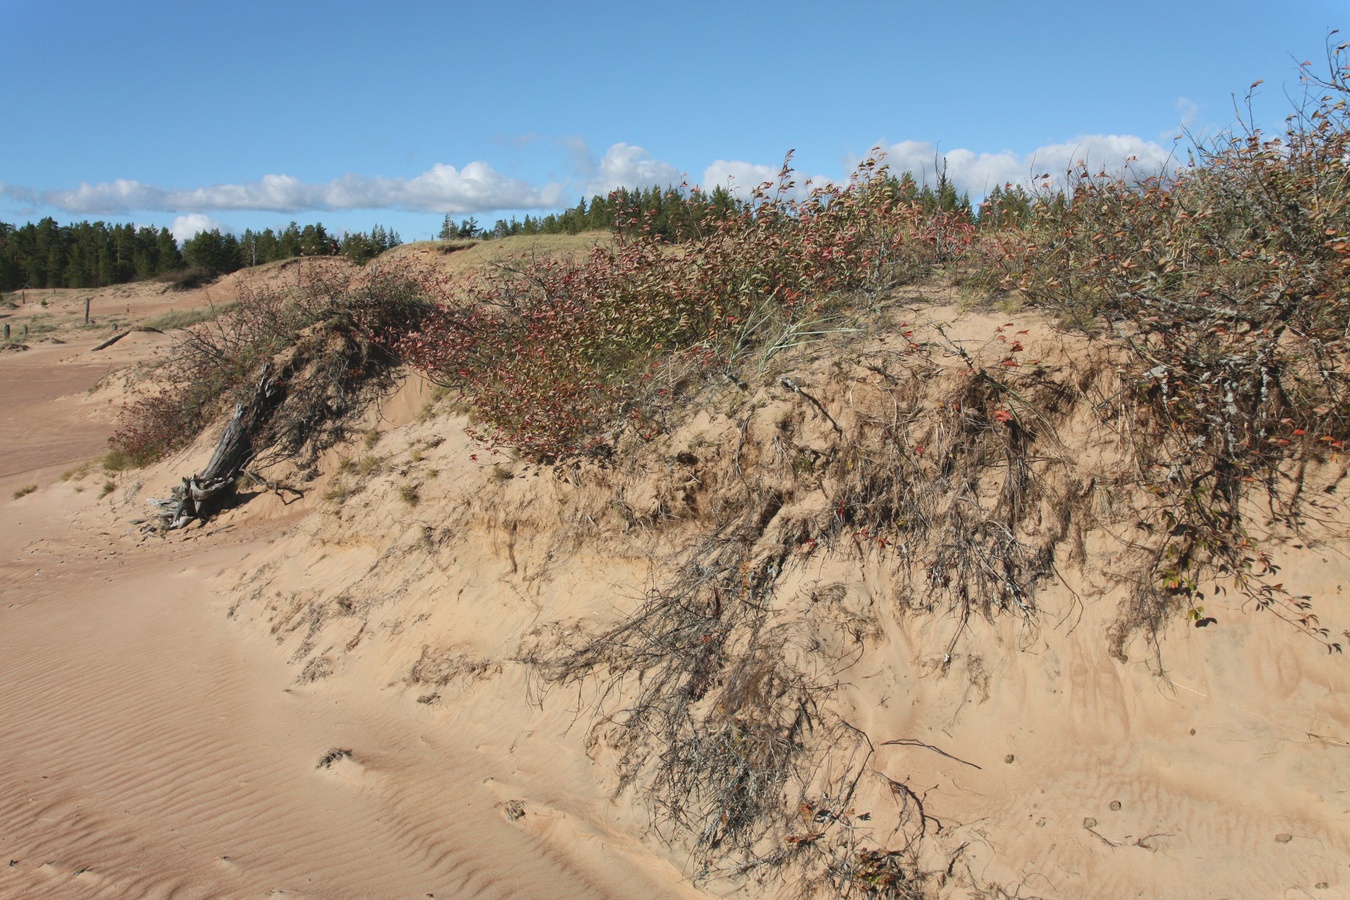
121 334
200 494
110 341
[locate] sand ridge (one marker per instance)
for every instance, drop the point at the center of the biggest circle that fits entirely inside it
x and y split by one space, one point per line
170 701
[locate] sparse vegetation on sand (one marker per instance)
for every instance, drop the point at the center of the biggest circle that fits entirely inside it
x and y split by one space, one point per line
185 318
318 335
1209 310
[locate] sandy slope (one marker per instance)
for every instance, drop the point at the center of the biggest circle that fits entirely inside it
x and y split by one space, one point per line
154 747
167 702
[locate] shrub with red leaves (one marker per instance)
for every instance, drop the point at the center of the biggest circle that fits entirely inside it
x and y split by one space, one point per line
553 355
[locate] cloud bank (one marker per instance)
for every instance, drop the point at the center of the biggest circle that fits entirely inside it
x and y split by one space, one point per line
979 173
478 188
625 165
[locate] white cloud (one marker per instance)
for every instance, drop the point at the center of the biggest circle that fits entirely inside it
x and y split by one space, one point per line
1190 112
477 187
978 173
188 226
19 194
736 176
630 166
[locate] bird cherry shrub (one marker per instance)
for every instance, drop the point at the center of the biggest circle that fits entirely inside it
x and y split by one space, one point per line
555 355
1229 282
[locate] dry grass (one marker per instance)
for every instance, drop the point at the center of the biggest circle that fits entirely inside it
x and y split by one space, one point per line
76 473
185 318
117 461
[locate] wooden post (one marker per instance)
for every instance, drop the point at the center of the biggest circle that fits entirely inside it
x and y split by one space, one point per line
86 309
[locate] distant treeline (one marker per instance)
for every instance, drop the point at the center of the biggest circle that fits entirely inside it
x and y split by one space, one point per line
226 253
678 214
95 254
86 254
669 212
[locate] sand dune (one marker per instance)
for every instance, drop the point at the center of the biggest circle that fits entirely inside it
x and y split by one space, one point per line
153 747
332 698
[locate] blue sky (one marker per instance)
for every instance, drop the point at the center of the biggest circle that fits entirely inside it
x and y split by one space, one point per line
253 114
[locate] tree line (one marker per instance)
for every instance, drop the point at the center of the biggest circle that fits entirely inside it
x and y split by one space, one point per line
96 254
83 254
677 214
219 252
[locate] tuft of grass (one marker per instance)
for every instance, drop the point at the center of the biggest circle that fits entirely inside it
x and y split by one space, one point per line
25 491
340 491
186 317
455 246
108 487
76 473
408 493
186 278
362 466
117 460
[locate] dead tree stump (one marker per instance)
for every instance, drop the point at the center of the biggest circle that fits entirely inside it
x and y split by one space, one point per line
199 495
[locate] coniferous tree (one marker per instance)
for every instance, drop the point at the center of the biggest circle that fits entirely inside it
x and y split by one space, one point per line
167 255
215 252
1006 206
288 244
